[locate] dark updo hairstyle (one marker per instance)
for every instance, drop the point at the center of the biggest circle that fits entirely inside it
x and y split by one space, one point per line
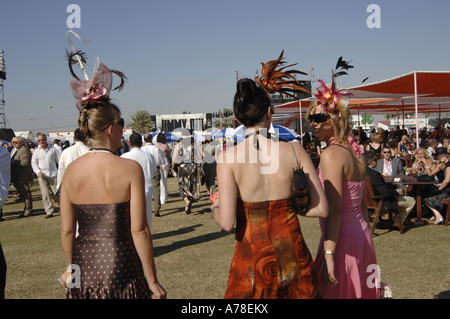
96 116
250 102
161 138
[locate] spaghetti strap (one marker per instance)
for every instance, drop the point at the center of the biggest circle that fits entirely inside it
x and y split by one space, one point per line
295 154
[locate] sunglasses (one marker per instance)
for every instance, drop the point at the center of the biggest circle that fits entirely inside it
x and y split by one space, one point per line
318 118
120 122
386 152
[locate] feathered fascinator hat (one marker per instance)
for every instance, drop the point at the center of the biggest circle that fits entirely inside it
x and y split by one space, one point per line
98 87
332 98
275 78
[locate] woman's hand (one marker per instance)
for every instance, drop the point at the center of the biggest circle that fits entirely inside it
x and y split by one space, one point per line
158 291
64 278
328 271
215 204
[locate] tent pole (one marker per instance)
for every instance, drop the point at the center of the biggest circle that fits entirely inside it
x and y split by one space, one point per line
417 112
301 120
403 112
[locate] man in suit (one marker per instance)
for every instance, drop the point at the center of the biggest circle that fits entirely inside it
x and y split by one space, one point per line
388 165
22 173
389 192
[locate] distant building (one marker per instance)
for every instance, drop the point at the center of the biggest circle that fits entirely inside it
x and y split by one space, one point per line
197 122
68 135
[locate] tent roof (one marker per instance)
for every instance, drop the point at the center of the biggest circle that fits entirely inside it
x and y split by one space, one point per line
397 94
429 83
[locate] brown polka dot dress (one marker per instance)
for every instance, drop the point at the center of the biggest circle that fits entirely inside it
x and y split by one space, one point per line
105 252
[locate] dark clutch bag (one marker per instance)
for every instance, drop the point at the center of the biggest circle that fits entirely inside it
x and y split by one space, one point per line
301 191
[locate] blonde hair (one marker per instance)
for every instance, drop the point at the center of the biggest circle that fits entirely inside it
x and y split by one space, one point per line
341 118
375 139
95 117
424 151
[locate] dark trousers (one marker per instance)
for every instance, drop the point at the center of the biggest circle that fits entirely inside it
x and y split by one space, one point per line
2 273
156 204
24 191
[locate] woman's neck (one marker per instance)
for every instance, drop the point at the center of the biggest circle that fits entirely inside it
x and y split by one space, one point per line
105 145
256 128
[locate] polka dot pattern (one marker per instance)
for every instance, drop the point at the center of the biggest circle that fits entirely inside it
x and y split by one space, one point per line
105 252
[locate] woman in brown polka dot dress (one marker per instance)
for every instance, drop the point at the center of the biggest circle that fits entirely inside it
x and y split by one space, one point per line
104 194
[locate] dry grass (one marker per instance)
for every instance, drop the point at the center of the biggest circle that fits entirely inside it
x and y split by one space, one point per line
193 255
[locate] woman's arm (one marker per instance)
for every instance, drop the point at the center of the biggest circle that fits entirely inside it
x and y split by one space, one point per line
225 214
140 231
435 169
332 168
318 204
446 180
68 227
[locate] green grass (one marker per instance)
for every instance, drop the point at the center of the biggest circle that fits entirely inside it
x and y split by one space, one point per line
193 255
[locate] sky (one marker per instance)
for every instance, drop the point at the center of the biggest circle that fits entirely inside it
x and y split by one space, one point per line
183 55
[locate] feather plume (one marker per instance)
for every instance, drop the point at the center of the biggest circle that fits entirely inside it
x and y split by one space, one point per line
71 60
275 78
122 77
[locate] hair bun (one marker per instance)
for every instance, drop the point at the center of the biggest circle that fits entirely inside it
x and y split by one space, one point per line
250 102
93 103
245 91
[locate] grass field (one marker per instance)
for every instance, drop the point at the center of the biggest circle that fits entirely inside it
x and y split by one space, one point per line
193 255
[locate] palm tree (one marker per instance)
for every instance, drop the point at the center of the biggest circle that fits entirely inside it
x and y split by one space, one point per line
141 122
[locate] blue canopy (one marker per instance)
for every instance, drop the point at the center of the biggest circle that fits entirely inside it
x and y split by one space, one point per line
171 138
283 133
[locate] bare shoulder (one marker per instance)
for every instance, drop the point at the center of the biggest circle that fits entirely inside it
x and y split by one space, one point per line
331 152
127 166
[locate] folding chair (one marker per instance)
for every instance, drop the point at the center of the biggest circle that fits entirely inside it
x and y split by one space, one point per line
376 203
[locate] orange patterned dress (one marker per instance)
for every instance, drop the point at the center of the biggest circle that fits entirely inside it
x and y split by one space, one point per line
271 259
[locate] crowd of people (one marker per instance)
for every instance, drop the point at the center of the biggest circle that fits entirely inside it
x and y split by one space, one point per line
381 153
112 188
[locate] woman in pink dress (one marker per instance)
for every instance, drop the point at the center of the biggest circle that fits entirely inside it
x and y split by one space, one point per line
345 258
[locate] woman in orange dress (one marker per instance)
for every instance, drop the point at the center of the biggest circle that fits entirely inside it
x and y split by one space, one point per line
255 180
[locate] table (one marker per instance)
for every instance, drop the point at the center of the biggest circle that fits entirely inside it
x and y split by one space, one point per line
411 180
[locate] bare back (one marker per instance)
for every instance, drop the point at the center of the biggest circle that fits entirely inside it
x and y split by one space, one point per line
264 174
98 178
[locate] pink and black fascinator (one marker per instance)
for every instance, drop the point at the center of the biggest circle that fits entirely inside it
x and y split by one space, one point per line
98 87
331 97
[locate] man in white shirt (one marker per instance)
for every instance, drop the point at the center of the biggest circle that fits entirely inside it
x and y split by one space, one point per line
44 162
161 163
70 154
148 167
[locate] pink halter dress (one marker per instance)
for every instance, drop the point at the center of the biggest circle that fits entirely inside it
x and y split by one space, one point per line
355 264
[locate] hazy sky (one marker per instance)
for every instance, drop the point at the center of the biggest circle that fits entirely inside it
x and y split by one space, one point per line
183 55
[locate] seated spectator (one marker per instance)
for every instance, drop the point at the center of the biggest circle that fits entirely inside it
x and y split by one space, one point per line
431 146
433 196
402 145
422 162
392 144
389 192
375 144
389 165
